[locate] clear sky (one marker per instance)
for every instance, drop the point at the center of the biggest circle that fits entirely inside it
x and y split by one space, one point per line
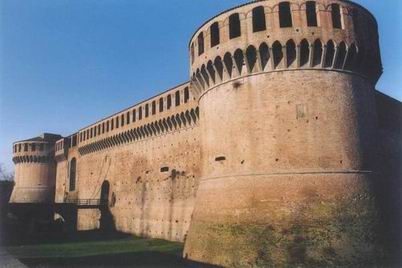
65 64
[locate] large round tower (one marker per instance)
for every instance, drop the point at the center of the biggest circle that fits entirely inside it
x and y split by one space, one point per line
287 117
35 170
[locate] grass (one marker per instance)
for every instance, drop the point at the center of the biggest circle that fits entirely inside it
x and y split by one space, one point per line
96 250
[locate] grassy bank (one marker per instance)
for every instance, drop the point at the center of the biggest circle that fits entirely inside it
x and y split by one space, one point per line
99 250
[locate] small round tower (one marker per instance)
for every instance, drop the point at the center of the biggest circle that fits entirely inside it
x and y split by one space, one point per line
287 122
35 170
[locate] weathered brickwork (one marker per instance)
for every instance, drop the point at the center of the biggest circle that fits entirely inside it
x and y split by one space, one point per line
278 152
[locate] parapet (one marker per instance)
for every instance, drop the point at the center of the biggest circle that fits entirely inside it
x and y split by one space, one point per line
36 150
274 35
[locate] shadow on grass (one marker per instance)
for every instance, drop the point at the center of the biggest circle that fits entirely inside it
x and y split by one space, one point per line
138 259
98 249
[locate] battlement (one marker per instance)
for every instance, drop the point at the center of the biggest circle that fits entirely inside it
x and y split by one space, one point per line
36 150
266 36
162 112
35 169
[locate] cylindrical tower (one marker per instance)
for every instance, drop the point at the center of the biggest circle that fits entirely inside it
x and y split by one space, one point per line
287 117
35 170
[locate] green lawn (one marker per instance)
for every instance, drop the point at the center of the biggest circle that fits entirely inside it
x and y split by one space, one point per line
96 251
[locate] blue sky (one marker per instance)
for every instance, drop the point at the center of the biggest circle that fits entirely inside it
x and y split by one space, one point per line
65 64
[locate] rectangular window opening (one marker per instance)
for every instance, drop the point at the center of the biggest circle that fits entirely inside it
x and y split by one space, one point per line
220 158
311 14
336 16
259 23
285 15
234 26
200 44
164 169
215 38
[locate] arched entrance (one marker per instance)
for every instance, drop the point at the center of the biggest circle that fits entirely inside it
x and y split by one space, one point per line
106 218
104 196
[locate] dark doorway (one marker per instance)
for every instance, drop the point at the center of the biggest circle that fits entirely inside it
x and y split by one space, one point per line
106 217
104 197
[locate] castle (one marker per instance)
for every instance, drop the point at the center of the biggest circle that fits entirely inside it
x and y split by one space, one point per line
278 151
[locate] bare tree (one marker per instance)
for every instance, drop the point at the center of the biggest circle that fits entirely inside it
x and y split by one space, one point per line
5 175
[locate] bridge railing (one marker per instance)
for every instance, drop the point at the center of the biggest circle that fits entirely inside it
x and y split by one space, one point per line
86 202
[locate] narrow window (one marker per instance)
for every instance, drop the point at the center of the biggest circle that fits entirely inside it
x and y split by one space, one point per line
81 137
128 118
336 16
186 95
99 129
41 147
311 14
19 147
74 141
134 115
177 98
200 43
164 169
169 101
214 34
73 167
234 26
33 147
161 105
153 107
220 158
146 110
15 148
92 132
107 126
112 124
192 53
122 120
259 23
139 113
25 147
285 16
117 122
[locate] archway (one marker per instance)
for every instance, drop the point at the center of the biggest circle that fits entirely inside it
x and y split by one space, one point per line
106 220
104 196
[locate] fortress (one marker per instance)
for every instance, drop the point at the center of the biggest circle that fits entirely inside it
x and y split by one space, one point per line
278 152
